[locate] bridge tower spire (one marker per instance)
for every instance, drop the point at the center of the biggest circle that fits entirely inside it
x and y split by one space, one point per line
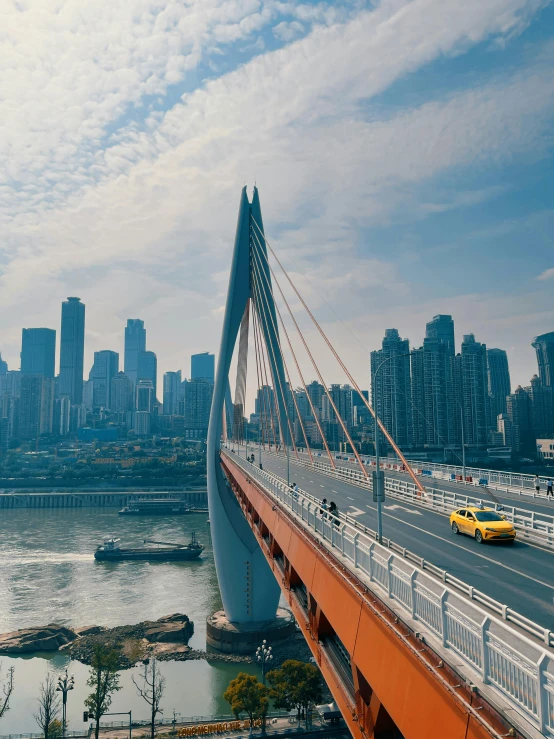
248 588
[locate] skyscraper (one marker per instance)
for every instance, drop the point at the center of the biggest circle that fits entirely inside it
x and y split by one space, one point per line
72 350
172 388
147 369
135 343
442 328
430 369
36 406
202 367
38 351
499 387
144 396
105 367
197 404
475 395
519 415
392 387
542 408
3 365
544 346
121 393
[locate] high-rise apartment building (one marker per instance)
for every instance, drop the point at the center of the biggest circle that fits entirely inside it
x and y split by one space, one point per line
430 371
62 416
121 394
104 369
498 378
36 406
3 365
542 408
544 346
197 405
442 328
519 415
144 396
38 351
135 343
172 388
147 369
11 383
392 387
72 350
202 367
474 391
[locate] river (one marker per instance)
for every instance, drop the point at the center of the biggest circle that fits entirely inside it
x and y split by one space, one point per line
48 574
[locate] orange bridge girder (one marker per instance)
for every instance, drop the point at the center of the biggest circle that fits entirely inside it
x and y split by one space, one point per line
395 680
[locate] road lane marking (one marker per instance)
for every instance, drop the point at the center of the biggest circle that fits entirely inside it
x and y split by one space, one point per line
322 486
334 491
355 511
349 498
476 554
396 507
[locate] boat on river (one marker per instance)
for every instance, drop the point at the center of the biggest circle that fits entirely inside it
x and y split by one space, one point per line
110 551
155 507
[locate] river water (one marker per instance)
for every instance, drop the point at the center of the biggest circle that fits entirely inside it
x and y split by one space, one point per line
48 574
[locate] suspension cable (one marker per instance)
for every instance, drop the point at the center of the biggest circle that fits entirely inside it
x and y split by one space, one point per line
283 395
378 421
337 414
266 388
261 424
266 300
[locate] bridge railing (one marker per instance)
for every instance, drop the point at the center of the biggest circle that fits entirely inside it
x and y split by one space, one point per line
533 525
519 668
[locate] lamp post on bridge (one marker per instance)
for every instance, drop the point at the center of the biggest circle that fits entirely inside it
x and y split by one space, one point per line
378 475
264 655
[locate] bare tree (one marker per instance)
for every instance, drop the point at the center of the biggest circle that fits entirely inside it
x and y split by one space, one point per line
48 708
6 684
152 690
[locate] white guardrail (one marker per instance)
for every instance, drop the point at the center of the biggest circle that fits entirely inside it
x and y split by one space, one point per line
532 525
516 483
519 668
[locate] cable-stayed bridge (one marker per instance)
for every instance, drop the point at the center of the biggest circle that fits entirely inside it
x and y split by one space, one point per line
418 633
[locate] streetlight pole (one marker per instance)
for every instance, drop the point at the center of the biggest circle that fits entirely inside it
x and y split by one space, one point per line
263 654
65 684
463 444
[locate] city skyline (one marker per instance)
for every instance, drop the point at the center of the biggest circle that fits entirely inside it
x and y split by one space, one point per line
522 378
436 132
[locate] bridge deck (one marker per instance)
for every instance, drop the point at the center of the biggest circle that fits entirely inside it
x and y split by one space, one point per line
520 576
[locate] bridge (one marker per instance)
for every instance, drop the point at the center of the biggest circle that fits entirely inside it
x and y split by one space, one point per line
417 632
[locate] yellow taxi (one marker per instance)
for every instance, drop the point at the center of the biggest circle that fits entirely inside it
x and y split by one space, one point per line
483 524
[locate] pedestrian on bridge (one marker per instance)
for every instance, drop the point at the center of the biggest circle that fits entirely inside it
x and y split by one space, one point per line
324 508
334 513
537 484
549 488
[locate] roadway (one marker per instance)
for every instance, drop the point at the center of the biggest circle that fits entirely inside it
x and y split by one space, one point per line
519 575
539 505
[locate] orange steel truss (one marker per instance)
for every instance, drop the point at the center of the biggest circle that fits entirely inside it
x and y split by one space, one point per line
396 680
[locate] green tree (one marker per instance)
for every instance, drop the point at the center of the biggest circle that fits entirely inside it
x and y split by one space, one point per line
295 685
246 694
48 708
104 680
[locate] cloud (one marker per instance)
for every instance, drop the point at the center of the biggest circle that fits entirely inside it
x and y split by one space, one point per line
548 274
288 31
137 214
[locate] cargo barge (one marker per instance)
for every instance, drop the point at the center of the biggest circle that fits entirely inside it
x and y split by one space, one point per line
110 551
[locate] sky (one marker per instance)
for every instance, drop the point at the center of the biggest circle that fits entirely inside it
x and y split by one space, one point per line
403 151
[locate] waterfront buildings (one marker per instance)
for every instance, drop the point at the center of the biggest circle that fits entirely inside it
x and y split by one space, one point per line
72 349
36 406
38 351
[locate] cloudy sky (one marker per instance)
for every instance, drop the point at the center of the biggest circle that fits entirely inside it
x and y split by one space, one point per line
403 151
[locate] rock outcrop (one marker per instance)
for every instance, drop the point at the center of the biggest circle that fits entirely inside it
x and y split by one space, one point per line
39 639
